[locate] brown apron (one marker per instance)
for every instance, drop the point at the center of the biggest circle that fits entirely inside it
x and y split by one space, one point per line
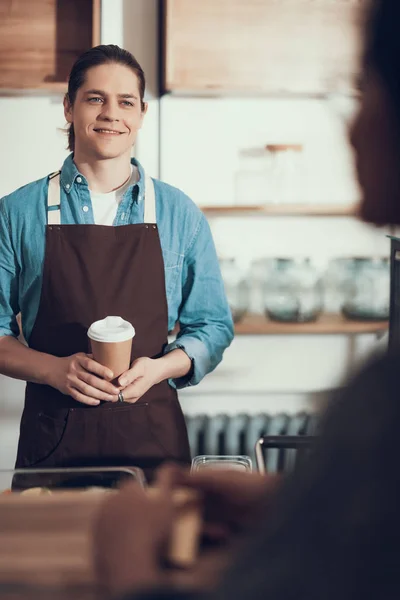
91 271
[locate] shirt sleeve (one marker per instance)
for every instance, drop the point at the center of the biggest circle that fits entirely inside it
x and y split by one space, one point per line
9 306
206 326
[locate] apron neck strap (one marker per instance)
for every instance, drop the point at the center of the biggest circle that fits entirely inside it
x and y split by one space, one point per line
54 200
149 201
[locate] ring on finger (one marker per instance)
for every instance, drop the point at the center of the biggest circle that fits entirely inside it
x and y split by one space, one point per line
120 397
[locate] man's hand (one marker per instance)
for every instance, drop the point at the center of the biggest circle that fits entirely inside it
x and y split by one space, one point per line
84 379
146 372
143 374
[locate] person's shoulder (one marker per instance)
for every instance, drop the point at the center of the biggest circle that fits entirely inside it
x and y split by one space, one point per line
175 199
370 398
30 193
382 366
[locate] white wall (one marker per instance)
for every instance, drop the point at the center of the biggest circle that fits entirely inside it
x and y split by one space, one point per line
199 152
32 142
207 135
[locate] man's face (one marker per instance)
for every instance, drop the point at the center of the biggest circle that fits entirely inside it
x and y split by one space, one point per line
106 113
375 137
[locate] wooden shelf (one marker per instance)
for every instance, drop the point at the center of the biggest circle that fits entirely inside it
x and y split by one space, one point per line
278 210
327 324
41 39
47 88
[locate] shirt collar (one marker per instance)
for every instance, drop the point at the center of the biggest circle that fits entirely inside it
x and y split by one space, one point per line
69 175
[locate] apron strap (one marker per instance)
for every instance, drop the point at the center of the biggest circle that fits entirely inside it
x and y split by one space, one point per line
149 201
54 200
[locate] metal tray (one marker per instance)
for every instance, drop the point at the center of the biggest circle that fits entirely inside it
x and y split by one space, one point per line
17 480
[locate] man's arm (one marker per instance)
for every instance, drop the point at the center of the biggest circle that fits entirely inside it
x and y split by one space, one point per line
206 327
78 376
16 360
20 362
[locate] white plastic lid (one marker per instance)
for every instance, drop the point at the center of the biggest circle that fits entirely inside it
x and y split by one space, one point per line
111 329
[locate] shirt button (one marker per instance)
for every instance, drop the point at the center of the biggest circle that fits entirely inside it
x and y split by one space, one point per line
67 186
79 179
85 208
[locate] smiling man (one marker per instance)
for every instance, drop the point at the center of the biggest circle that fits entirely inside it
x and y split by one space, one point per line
101 238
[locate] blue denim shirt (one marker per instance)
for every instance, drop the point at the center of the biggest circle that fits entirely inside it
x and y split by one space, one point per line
195 290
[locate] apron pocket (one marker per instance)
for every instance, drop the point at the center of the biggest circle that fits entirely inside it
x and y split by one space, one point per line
40 437
130 433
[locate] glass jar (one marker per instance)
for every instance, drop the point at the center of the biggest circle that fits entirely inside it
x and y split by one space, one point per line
293 291
259 269
285 173
337 276
251 177
367 292
237 288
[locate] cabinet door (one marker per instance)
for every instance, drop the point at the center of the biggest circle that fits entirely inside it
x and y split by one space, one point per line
41 39
261 46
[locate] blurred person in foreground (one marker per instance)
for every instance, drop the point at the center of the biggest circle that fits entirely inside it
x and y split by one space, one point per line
331 530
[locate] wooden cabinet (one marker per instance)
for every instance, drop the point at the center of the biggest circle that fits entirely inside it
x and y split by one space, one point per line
261 46
41 39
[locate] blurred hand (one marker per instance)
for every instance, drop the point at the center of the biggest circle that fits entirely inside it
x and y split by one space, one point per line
143 374
233 500
84 379
130 536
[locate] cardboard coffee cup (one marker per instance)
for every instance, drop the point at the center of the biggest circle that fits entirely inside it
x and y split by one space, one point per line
111 342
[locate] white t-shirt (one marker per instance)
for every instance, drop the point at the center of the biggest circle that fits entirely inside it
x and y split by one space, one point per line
105 206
